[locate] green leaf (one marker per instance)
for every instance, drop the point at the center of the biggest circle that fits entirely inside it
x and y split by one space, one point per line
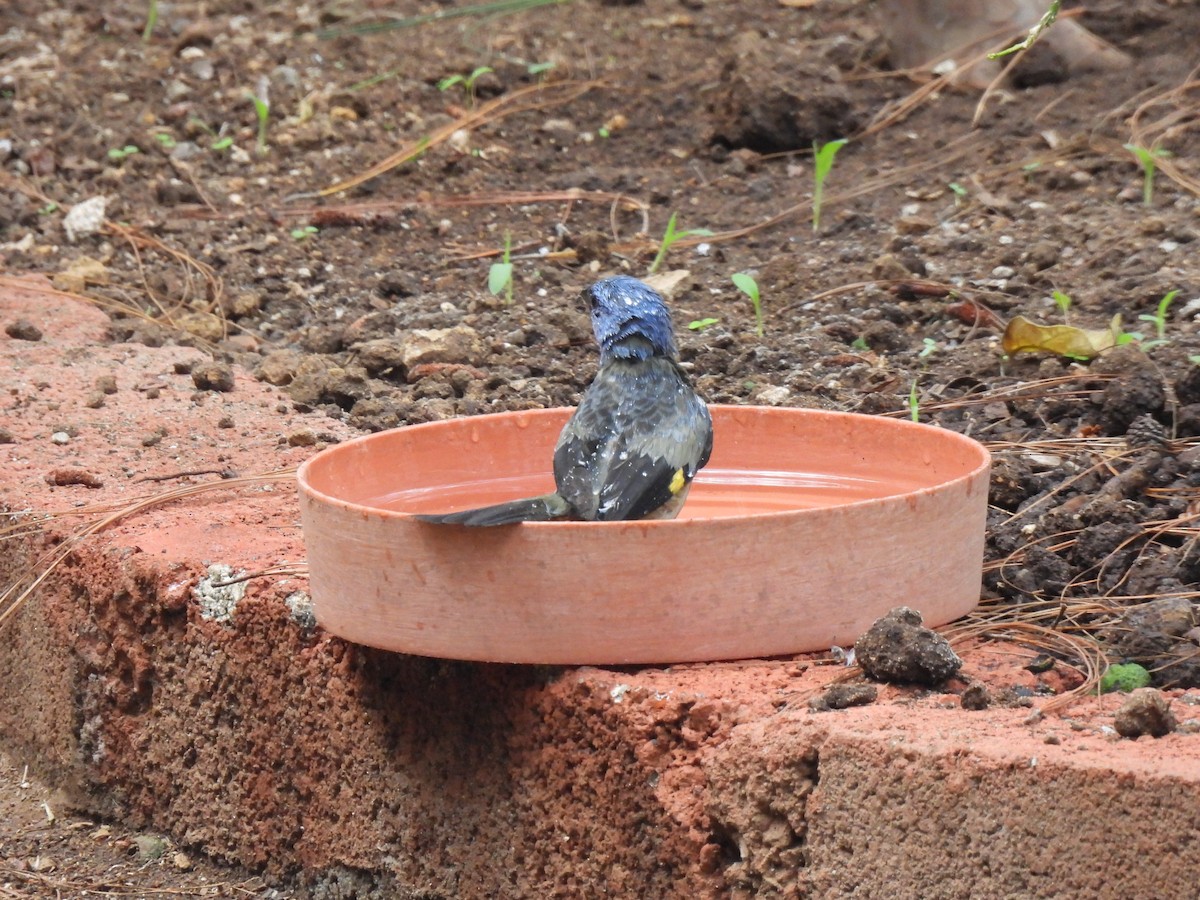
746 284
701 324
500 277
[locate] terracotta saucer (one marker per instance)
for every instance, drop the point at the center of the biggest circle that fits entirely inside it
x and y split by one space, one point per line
804 528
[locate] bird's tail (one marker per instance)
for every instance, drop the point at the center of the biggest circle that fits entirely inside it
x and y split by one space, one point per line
531 509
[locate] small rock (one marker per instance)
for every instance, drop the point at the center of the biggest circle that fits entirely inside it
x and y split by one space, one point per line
68 475
182 861
278 367
976 696
95 400
7 437
302 437
888 268
913 225
898 648
380 355
85 218
150 846
775 395
1146 711
203 325
1044 254
242 304
60 438
23 330
79 274
213 376
460 344
843 696
106 384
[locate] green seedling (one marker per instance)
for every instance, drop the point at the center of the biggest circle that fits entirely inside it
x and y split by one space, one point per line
701 324
223 143
1147 158
166 141
1034 33
119 154
860 344
823 155
500 275
670 236
49 208
151 21
748 286
539 69
1159 319
914 402
960 192
467 82
1063 302
305 232
262 111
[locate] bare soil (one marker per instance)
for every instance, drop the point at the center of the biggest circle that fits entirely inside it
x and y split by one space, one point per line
596 122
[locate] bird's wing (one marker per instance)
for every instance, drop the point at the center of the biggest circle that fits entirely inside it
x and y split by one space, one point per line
638 438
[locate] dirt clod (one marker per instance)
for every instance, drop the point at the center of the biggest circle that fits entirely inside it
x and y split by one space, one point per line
213 376
23 330
976 696
843 696
898 648
1145 711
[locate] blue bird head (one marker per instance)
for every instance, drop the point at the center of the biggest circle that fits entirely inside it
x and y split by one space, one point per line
630 319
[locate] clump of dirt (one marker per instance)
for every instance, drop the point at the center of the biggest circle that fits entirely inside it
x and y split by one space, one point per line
899 649
1145 711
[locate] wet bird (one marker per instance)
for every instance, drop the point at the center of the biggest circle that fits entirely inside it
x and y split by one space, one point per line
640 434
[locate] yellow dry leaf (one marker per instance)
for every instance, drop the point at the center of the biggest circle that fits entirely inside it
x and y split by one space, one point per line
1023 336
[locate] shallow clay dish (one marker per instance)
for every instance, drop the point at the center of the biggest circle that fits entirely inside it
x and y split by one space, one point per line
804 528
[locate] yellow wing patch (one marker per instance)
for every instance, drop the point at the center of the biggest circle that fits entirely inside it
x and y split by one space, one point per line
678 481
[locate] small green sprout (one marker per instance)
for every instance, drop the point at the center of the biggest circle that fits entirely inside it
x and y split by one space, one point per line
262 111
1194 359
500 275
1124 677
748 286
1035 32
701 324
166 141
538 69
151 21
914 402
860 344
1159 319
1147 158
960 192
1063 302
304 233
467 82
223 143
119 154
603 132
823 155
670 236
49 208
